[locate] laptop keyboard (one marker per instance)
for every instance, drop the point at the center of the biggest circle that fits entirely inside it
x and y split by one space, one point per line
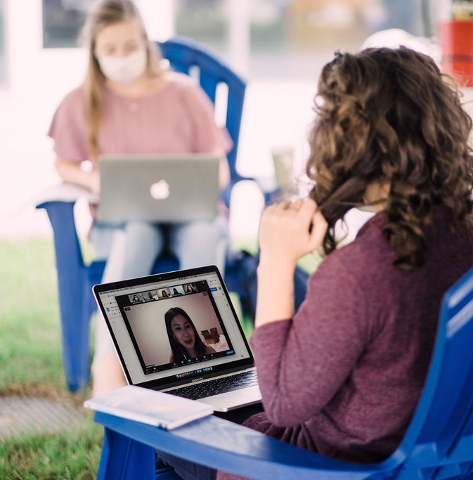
219 385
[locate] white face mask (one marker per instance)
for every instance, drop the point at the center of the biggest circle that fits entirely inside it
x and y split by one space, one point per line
124 69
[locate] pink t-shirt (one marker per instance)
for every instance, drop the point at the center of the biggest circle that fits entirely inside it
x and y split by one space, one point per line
177 119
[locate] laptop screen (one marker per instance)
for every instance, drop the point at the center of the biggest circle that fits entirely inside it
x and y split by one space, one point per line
173 327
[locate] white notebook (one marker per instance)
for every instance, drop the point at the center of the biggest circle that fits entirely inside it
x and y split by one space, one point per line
149 406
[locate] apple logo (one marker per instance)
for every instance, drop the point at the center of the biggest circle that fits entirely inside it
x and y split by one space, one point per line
160 190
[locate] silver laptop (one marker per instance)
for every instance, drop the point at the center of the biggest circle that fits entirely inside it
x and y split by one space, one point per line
160 188
215 366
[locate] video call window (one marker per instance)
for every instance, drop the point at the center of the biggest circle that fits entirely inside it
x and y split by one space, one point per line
174 326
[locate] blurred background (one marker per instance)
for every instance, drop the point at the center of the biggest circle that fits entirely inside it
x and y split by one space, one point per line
278 46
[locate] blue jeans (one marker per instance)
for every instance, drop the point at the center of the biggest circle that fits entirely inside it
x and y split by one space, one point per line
131 251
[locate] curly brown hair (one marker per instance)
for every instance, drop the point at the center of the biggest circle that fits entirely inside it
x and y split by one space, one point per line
390 115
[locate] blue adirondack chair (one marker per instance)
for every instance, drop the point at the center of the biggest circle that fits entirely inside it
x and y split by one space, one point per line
75 278
438 443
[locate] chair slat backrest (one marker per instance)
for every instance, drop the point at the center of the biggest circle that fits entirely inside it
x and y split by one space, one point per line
444 414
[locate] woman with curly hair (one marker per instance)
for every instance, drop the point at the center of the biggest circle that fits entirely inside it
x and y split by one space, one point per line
342 376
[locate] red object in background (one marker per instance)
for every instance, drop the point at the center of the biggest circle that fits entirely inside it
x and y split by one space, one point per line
456 40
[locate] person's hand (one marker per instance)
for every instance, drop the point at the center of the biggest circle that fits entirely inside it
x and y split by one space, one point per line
288 231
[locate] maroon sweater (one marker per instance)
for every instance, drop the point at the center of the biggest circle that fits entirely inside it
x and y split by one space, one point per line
343 377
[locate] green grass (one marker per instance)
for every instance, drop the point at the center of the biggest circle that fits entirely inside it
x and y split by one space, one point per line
70 455
31 364
30 351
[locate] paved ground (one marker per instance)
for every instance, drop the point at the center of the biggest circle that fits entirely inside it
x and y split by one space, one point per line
22 415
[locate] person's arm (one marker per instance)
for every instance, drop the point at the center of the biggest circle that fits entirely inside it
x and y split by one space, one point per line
304 361
69 132
73 173
287 233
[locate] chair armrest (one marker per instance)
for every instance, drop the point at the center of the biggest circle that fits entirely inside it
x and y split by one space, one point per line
64 192
223 445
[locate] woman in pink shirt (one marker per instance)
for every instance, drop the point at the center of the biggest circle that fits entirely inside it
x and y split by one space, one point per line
128 103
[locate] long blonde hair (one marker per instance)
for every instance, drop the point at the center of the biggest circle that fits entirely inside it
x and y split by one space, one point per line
101 15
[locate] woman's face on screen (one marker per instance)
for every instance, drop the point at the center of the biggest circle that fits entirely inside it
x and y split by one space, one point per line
183 331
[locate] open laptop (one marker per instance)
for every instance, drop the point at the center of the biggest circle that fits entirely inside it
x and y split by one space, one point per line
223 375
158 188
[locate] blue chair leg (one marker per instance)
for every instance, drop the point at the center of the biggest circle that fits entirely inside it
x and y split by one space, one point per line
126 459
75 302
